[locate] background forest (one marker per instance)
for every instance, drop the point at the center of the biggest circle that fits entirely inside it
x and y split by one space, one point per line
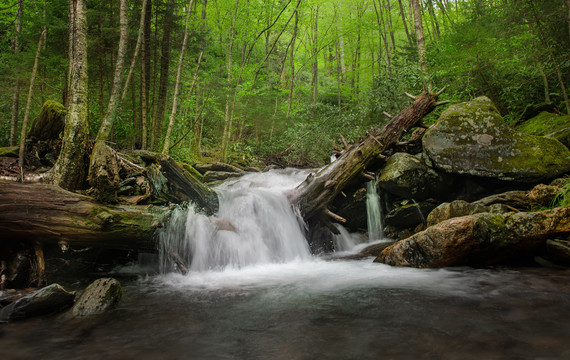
279 80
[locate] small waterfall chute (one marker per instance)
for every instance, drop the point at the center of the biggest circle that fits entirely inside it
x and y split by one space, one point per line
374 215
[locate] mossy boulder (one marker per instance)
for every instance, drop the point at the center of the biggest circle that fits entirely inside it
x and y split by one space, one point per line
480 239
549 125
472 138
408 176
50 123
101 295
47 300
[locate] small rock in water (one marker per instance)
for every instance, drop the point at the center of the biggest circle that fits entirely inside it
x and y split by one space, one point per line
100 295
50 299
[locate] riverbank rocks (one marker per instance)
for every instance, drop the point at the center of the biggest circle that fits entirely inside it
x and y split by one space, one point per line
50 299
99 296
472 138
407 176
480 239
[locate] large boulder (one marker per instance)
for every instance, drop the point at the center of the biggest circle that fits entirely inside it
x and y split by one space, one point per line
407 176
472 138
480 239
98 297
550 125
50 299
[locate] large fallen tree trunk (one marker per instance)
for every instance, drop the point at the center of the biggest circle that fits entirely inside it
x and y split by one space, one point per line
317 192
49 214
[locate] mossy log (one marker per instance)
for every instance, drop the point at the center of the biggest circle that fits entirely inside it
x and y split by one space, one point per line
317 192
49 214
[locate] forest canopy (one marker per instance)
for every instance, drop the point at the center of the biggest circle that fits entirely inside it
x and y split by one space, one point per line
277 80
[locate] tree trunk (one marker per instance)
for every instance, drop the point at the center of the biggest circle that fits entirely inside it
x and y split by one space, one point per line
402 13
69 170
137 48
317 192
16 96
29 103
315 79
166 146
292 63
145 76
107 123
53 215
420 41
164 67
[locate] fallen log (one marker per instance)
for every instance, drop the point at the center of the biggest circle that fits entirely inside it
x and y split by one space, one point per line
49 214
313 196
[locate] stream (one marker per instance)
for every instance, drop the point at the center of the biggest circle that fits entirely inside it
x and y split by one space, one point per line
254 291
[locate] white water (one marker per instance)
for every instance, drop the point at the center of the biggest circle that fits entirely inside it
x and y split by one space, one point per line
255 225
374 212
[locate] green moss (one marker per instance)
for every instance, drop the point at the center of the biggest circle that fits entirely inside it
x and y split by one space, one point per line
543 124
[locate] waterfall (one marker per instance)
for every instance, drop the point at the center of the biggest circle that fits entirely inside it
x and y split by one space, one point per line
374 214
255 225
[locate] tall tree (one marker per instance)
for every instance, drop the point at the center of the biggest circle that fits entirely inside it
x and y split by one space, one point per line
16 96
166 146
158 115
405 22
69 170
145 79
420 42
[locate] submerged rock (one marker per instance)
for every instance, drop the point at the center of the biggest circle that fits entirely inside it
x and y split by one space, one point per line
480 239
100 295
472 138
407 176
50 299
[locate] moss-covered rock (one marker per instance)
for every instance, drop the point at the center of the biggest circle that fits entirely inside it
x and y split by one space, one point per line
550 125
472 138
407 176
100 295
50 123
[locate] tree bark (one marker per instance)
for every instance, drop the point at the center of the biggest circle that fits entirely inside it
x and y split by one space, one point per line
145 77
69 170
50 214
314 195
403 14
137 48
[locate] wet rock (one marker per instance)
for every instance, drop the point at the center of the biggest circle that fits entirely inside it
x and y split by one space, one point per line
480 239
410 215
98 297
352 207
472 138
407 176
211 176
559 251
516 199
456 208
50 299
217 167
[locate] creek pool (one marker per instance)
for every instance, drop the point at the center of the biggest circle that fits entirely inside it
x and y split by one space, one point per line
315 309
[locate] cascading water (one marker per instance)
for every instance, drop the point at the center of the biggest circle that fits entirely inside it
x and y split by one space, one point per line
374 212
255 225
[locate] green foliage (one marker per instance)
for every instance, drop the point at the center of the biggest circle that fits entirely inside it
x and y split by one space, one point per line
562 198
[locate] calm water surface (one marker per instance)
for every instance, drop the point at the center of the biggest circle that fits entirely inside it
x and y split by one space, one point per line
316 310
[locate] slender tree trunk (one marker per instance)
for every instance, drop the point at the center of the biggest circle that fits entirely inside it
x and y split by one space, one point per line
137 48
164 67
145 76
315 79
390 25
292 63
166 146
114 100
29 103
568 14
405 22
69 170
545 80
435 24
16 96
229 63
383 34
420 42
